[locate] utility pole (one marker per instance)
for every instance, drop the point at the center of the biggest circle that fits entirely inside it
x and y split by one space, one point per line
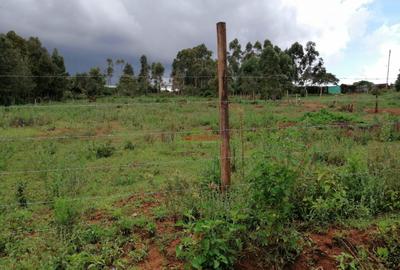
223 107
388 70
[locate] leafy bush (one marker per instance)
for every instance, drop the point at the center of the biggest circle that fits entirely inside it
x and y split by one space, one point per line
214 244
65 214
389 249
104 151
129 145
326 117
127 225
20 195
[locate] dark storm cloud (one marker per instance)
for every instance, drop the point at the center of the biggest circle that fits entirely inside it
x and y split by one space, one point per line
88 31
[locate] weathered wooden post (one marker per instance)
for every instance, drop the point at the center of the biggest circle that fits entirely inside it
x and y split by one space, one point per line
223 108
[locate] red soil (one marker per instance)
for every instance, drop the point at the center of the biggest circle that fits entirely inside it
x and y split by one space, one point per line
394 111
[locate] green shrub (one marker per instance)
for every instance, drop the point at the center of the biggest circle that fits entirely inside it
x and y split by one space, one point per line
127 225
272 185
389 249
129 145
326 117
65 214
214 244
20 195
104 150
95 233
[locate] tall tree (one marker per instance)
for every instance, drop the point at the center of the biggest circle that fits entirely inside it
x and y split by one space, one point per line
310 63
321 76
42 68
157 72
194 71
248 53
144 76
234 62
127 84
120 62
16 84
397 83
109 70
249 76
95 83
296 53
59 83
257 48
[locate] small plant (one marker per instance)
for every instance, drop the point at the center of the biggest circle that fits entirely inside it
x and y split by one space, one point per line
347 262
214 245
65 214
138 255
389 252
104 151
21 197
129 146
326 117
127 225
160 213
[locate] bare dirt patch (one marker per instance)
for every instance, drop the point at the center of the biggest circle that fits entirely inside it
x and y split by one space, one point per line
164 227
393 111
325 247
313 106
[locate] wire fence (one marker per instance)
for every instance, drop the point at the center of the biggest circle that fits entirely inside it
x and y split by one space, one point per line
193 132
136 164
195 188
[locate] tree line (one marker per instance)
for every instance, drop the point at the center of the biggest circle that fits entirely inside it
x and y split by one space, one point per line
263 70
29 73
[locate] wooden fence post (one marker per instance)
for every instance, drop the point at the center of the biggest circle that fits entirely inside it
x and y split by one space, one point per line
223 108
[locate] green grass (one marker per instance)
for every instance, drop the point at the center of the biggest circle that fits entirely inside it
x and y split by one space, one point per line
99 154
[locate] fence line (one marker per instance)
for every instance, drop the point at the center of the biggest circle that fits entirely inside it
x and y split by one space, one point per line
186 132
189 188
102 105
130 165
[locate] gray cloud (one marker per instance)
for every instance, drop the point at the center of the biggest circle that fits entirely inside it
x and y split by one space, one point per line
88 31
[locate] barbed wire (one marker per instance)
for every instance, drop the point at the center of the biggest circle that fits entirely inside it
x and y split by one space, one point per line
102 105
190 132
130 165
196 188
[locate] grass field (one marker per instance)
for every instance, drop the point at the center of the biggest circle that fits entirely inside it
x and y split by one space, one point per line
131 184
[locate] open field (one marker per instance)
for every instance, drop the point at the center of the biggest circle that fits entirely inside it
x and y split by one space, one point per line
131 184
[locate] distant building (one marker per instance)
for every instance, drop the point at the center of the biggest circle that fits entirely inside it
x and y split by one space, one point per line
334 90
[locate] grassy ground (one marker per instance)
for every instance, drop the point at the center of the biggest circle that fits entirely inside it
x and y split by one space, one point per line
80 182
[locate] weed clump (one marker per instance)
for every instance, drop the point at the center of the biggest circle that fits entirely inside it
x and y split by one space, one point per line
104 150
65 215
21 196
326 117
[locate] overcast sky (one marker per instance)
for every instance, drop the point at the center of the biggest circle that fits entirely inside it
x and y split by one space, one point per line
353 36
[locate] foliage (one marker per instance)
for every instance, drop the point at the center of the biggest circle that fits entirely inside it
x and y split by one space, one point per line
193 71
21 196
65 214
103 150
214 244
326 117
347 262
127 85
397 83
389 249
